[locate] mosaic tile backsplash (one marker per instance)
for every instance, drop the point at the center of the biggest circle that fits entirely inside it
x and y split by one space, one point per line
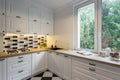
17 41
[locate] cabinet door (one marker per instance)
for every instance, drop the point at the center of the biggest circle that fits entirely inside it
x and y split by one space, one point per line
67 67
101 77
46 28
59 68
34 27
17 16
51 62
2 7
17 8
81 76
34 13
2 16
38 62
2 69
34 20
46 22
16 25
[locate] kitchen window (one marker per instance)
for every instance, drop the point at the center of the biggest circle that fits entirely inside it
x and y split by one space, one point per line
97 25
86 25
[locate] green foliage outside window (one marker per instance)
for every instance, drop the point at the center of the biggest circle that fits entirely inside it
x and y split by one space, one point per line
111 24
86 22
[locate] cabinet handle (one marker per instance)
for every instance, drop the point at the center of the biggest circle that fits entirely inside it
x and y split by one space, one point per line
57 54
92 69
20 57
65 56
3 13
20 61
92 64
47 23
35 33
18 17
18 31
20 71
38 53
2 59
35 20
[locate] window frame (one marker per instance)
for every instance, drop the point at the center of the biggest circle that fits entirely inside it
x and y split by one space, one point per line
76 32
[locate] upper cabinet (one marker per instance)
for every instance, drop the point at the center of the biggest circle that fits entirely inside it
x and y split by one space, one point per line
21 16
17 8
34 20
17 16
2 16
46 21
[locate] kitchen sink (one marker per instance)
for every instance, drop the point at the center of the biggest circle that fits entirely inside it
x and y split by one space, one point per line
55 48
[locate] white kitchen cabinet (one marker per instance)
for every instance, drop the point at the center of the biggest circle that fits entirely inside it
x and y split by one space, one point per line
18 67
67 67
2 16
34 27
96 70
16 16
17 8
46 28
34 20
51 61
60 64
46 22
16 25
38 62
34 13
2 69
55 63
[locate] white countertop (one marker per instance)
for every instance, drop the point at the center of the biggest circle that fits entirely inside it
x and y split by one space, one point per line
94 57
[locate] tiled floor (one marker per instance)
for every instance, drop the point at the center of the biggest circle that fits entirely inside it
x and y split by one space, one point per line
47 75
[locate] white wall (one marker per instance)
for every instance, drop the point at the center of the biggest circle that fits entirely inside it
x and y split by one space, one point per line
63 28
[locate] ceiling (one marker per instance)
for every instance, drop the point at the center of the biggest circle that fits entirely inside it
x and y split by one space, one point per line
54 4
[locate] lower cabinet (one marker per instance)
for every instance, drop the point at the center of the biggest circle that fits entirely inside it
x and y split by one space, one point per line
38 62
18 67
60 64
83 69
2 69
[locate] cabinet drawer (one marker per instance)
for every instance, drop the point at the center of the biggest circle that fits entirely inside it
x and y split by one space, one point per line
111 74
85 61
101 77
12 68
20 76
21 73
82 76
108 67
18 59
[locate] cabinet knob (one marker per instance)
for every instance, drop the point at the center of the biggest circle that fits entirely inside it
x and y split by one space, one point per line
65 56
20 57
57 54
20 61
92 64
20 71
92 69
35 20
18 17
35 33
47 23
18 31
38 53
3 13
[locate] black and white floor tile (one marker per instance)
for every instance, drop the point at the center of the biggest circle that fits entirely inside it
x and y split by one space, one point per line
47 75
